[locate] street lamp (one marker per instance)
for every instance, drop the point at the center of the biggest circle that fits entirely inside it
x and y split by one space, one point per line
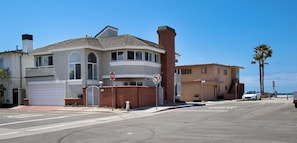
100 83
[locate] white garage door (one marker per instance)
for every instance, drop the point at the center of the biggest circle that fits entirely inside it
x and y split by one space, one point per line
47 93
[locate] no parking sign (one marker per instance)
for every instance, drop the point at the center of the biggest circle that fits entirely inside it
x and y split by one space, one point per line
157 78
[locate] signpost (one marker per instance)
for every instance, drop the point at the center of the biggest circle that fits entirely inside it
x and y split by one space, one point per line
273 86
157 79
112 78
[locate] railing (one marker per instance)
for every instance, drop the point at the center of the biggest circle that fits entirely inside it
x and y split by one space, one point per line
40 71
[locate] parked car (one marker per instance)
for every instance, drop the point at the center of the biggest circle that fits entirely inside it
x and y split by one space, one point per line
251 95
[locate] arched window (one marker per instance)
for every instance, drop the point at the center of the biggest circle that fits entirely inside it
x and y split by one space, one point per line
74 66
92 67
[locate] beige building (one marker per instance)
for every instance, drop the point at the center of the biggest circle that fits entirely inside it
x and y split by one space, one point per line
210 82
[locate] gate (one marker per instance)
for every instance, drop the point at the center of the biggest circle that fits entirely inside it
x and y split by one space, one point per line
92 96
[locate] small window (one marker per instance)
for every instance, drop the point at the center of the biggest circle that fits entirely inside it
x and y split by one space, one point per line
114 56
120 55
225 72
204 70
130 55
138 55
186 71
38 61
148 56
43 61
50 60
133 83
139 84
117 56
157 58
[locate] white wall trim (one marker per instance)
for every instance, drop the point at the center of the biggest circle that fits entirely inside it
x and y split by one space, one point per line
47 82
134 63
130 76
74 82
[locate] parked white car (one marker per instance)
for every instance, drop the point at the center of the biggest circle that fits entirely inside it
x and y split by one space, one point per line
251 95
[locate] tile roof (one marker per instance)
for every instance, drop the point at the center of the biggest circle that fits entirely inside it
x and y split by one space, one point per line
102 43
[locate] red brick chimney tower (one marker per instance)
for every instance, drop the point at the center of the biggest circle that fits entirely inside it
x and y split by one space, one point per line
167 41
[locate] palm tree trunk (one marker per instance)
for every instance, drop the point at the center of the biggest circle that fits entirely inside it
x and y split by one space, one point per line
262 77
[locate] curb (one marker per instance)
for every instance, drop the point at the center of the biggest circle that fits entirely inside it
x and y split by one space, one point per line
180 106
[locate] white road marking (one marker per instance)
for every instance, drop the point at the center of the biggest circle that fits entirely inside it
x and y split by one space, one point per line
45 128
35 120
206 110
24 116
9 133
223 107
65 125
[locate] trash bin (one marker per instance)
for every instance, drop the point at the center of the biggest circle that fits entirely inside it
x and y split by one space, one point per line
127 105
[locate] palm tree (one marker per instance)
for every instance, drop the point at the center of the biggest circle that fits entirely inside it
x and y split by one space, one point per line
4 75
261 53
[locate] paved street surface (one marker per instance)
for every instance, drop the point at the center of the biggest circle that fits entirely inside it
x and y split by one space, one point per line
271 121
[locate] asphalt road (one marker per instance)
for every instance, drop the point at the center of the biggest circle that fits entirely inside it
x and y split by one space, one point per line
272 121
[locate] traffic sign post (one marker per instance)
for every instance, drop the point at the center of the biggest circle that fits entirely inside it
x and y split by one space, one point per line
112 78
157 79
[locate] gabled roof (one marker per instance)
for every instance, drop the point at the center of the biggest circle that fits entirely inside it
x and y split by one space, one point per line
106 29
67 44
104 44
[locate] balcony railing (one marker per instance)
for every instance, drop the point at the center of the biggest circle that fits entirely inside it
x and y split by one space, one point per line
40 71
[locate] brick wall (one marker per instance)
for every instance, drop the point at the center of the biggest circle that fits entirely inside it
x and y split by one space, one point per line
138 96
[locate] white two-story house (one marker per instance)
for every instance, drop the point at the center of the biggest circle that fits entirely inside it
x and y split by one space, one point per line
15 62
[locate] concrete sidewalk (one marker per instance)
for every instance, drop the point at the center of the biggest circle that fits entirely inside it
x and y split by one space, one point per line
101 109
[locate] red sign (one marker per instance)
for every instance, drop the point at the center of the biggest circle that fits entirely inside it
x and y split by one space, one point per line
112 75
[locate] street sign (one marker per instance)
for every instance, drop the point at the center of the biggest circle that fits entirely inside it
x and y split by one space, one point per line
112 75
157 78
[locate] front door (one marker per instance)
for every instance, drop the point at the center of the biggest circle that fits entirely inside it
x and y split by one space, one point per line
15 95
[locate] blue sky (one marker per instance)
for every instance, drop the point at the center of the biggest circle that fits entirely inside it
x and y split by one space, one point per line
208 31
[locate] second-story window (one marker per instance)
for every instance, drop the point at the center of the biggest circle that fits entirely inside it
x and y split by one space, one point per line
138 55
92 67
186 71
117 56
130 55
225 72
203 70
43 61
148 56
74 66
157 58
